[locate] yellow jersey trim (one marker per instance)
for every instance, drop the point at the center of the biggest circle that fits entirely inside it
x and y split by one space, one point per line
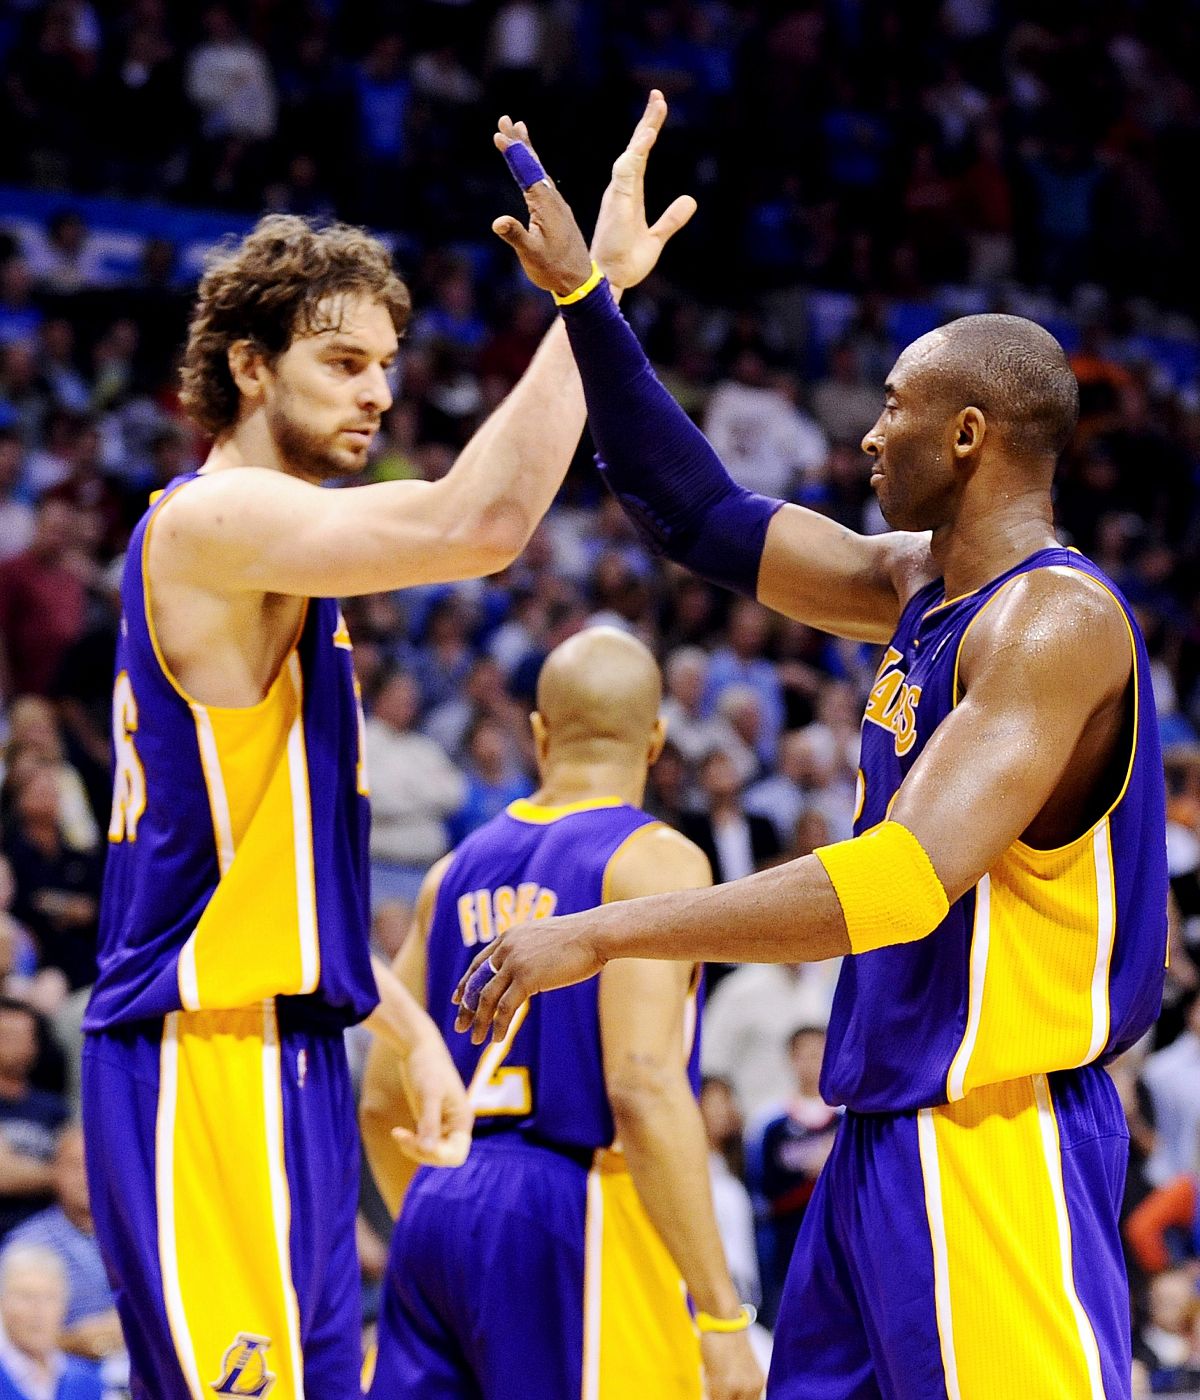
523 810
605 884
1037 851
169 675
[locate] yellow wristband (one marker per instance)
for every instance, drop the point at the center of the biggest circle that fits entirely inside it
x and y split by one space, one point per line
705 1322
887 887
595 277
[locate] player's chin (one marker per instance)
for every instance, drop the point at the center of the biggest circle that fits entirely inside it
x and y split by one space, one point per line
348 459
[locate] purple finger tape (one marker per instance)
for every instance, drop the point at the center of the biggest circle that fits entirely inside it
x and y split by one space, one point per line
479 979
525 166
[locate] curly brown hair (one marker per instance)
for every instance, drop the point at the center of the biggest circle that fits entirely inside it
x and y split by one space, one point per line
273 286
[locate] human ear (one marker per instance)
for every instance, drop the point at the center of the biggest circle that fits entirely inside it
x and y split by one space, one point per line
970 431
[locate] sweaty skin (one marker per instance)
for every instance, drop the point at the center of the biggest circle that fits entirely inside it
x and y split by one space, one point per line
1034 749
597 730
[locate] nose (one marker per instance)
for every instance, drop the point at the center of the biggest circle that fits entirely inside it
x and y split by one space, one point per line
872 444
375 395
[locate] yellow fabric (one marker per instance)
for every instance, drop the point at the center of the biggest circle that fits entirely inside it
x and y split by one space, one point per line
646 1343
257 936
536 815
593 280
1010 1320
1041 948
223 1202
886 885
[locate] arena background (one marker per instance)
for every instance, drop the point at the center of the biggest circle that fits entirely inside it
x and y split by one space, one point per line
864 171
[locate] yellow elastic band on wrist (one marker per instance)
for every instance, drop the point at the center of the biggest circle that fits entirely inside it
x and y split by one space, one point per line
705 1322
887 887
593 281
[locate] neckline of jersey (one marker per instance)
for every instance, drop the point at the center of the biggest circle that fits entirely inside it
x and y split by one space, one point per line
523 810
1020 564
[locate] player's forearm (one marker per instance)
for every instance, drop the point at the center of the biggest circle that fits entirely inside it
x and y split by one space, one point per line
399 1019
384 1106
656 461
509 473
787 914
662 1135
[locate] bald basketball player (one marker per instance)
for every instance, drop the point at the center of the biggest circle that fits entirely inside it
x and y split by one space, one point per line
554 1263
1002 905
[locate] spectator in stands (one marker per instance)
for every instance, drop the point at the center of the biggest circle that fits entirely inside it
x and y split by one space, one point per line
69 260
742 661
803 781
91 1327
845 403
483 694
21 979
33 729
784 1155
414 789
734 1209
1172 1076
42 601
16 515
693 731
58 889
441 663
736 843
668 787
230 81
30 1120
1164 1228
493 780
33 1303
1166 1345
747 1024
760 435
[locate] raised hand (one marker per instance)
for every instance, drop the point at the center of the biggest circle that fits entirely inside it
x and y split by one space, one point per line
552 250
624 246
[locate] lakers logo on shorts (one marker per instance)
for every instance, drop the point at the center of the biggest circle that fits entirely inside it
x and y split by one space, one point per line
244 1368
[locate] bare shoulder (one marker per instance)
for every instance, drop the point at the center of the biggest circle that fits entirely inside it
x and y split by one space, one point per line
428 893
656 860
1060 626
205 504
908 562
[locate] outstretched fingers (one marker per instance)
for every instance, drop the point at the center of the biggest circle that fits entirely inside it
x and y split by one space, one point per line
673 218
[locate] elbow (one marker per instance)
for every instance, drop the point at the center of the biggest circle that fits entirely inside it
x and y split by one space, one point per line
493 536
638 1100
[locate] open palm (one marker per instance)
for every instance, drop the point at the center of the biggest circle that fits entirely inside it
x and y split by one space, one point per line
624 245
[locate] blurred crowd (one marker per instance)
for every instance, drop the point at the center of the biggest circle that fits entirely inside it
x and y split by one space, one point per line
863 170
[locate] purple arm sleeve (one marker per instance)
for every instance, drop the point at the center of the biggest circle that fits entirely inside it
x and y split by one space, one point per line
654 459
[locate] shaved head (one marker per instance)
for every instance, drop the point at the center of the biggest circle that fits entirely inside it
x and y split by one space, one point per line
601 686
1010 368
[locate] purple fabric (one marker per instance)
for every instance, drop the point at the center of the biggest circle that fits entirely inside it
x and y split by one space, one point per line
525 166
654 459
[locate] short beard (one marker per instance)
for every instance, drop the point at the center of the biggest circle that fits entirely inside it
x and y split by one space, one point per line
309 455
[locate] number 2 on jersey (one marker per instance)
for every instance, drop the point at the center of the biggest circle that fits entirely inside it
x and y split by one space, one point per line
496 1088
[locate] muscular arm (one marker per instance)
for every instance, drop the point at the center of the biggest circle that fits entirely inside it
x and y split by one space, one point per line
673 485
1045 667
258 531
642 1006
384 1104
642 1033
